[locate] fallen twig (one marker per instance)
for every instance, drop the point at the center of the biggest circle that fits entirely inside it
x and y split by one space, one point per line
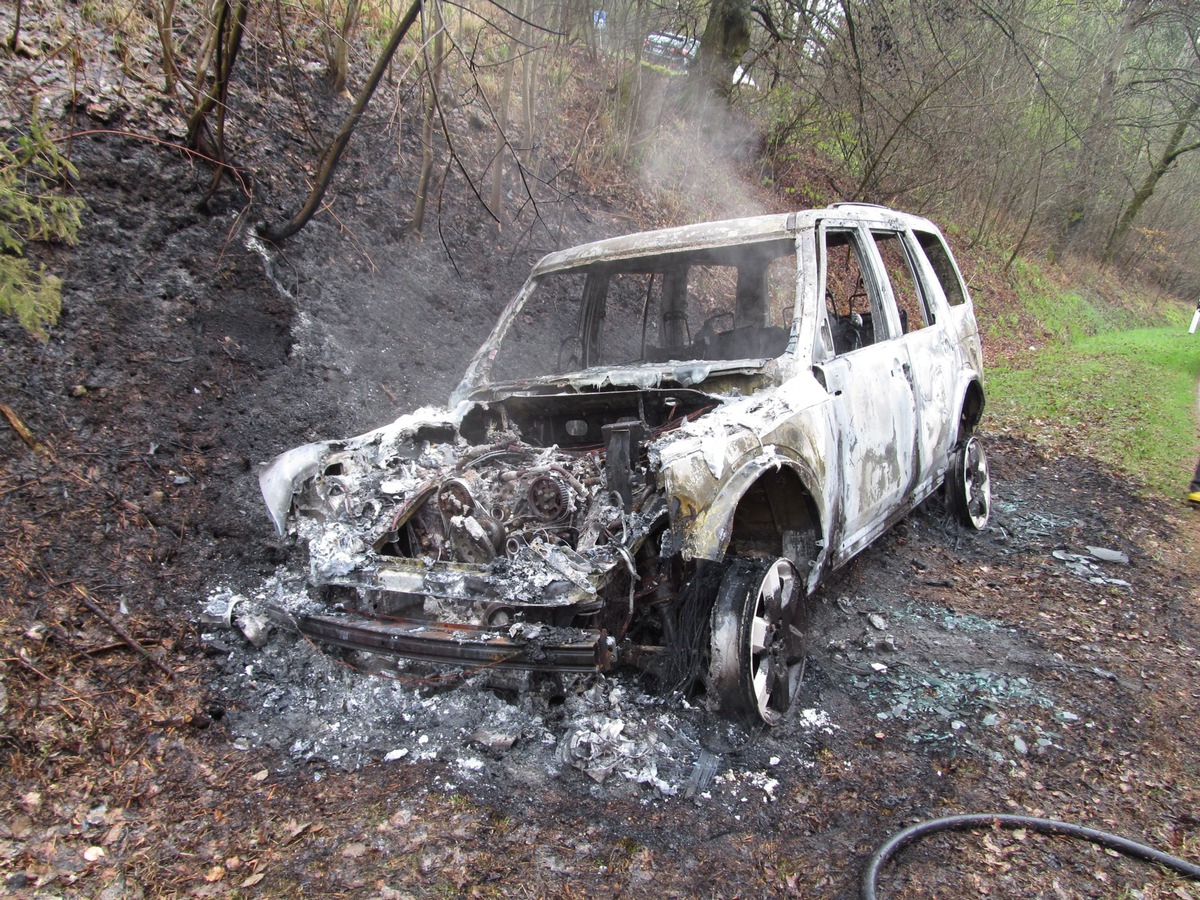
19 427
69 694
97 651
122 633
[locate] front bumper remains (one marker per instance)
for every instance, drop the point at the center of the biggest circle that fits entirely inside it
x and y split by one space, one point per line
532 647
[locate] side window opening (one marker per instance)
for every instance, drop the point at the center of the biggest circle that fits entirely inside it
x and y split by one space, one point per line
942 266
854 316
914 312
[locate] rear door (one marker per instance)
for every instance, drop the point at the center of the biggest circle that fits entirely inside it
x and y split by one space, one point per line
929 339
867 374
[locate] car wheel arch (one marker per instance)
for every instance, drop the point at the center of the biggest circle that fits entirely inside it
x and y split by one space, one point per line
970 411
769 507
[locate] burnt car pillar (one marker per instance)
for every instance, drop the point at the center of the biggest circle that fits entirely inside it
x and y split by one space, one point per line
623 445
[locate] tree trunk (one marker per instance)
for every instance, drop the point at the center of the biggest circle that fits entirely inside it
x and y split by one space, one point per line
726 38
528 95
497 196
432 86
231 25
340 64
1174 149
164 19
1095 141
14 41
227 40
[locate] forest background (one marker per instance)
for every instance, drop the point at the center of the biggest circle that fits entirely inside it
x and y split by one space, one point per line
1055 141
1042 128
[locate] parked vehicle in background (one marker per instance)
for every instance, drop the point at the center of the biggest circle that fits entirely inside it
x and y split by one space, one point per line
666 443
675 51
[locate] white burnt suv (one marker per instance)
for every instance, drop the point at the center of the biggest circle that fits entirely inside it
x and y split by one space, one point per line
666 443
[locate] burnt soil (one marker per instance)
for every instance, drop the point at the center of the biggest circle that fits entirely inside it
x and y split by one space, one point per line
149 750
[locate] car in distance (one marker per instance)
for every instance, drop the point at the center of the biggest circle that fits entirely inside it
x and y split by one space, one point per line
675 51
667 441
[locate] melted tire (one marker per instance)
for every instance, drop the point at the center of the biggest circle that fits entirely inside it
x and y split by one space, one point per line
758 640
969 485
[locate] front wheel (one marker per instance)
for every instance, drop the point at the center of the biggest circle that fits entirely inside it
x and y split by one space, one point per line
969 486
758 639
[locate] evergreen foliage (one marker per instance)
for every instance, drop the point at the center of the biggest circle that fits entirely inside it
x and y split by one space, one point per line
31 209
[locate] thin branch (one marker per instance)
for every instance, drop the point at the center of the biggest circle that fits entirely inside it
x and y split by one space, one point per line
121 632
334 153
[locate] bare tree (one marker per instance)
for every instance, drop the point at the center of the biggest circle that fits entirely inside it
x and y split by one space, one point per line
339 59
335 150
164 19
1097 138
1181 122
496 199
226 41
432 85
1170 152
14 40
726 38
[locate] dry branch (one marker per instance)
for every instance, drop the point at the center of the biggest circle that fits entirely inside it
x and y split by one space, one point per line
334 153
19 427
121 632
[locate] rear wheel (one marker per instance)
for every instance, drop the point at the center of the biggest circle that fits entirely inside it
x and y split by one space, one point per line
758 639
969 486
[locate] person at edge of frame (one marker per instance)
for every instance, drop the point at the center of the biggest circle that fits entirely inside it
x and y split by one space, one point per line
1194 488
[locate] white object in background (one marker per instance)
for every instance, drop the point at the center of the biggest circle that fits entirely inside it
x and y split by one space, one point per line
1195 321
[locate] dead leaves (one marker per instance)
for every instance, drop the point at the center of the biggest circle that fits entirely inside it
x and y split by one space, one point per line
295 830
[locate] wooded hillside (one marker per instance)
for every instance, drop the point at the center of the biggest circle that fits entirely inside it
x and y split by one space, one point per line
1047 128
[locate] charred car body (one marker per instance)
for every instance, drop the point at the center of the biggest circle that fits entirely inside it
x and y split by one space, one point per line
667 441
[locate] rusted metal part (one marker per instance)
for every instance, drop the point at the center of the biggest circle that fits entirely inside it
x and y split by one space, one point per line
519 647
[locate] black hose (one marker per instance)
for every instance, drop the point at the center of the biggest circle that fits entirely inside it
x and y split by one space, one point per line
1047 826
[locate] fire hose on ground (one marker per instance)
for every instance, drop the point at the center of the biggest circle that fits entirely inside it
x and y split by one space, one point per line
1045 826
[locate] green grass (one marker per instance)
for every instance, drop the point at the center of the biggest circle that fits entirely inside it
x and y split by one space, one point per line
1073 315
1127 398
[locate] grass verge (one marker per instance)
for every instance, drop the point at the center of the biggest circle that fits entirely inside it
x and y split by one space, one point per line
1125 397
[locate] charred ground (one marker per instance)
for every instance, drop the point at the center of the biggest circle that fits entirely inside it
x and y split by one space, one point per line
947 673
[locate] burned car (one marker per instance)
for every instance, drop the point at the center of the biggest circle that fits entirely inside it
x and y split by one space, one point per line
665 444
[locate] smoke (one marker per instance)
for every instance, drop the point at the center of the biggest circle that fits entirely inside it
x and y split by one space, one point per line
697 165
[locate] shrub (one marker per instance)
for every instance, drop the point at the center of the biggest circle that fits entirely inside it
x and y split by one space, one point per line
33 209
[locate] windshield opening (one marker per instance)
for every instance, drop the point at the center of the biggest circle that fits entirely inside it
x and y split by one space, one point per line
727 303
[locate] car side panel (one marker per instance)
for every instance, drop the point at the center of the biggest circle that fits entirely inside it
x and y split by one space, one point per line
935 368
707 468
875 417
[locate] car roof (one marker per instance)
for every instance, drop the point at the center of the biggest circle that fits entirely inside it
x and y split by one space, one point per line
724 233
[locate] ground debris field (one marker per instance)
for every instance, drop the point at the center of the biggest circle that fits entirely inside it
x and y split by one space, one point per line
162 737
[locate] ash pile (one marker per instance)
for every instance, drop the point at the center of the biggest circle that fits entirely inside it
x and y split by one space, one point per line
328 709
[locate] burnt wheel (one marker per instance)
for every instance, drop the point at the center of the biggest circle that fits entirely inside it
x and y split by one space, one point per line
969 486
758 639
